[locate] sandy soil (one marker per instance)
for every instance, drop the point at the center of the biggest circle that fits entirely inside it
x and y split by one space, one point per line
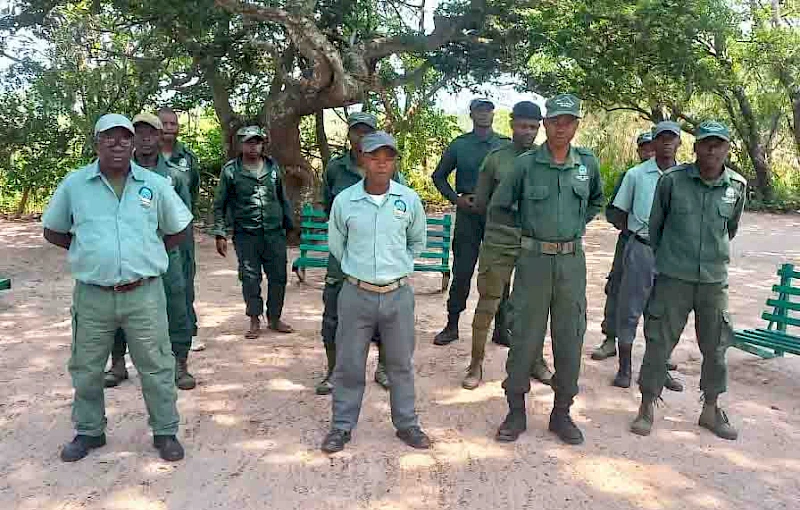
253 426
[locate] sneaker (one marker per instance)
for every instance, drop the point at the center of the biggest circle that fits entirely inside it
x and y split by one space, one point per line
415 438
79 447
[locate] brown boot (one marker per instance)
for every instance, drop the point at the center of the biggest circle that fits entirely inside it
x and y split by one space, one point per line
183 379
643 423
474 376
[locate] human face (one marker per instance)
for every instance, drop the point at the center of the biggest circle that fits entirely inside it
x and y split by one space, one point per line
356 133
711 154
169 121
146 139
561 130
252 149
524 132
379 165
114 149
646 151
482 116
666 145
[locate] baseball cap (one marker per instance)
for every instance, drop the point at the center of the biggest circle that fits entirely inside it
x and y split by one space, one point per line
711 128
149 119
666 126
563 104
644 137
376 140
480 101
526 110
111 121
250 132
362 118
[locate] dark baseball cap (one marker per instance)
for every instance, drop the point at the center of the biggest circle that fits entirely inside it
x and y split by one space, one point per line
526 110
480 101
644 137
563 104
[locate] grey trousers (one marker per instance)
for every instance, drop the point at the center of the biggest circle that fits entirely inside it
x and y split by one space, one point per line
361 315
638 274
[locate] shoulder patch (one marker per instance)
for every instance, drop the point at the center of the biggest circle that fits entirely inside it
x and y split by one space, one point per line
584 151
736 177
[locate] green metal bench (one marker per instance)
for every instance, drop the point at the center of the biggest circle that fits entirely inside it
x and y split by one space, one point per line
5 283
314 245
774 340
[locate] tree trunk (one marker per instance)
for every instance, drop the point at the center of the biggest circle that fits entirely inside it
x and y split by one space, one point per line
795 100
322 138
762 168
23 202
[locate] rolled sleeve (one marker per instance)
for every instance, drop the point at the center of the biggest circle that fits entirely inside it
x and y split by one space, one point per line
173 215
58 216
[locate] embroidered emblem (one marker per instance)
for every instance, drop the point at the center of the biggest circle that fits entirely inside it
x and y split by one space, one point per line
145 196
730 195
400 208
583 173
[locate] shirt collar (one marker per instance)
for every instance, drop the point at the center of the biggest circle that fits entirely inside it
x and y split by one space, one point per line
723 180
360 193
543 155
137 172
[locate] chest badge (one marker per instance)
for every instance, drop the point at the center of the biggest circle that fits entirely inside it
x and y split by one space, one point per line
274 176
183 164
583 173
730 195
145 197
400 208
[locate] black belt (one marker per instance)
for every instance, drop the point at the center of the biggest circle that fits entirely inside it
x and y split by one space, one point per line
642 240
126 287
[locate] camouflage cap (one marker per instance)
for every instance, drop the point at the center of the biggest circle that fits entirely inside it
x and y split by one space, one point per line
644 137
111 121
563 104
362 118
526 110
250 132
480 101
713 128
666 126
149 119
376 140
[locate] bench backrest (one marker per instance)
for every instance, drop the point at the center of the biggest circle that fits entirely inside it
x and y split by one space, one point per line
314 238
786 307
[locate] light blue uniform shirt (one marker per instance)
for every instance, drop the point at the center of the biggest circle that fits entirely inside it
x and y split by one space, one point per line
377 244
636 193
116 241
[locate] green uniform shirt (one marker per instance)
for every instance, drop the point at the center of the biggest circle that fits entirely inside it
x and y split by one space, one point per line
692 223
116 240
188 170
555 201
501 229
341 173
464 155
174 176
256 203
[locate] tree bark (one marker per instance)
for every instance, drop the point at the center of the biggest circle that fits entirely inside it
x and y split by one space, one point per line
23 202
322 138
285 147
794 97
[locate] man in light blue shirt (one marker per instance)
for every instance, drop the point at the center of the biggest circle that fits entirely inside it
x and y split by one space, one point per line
376 228
117 220
634 199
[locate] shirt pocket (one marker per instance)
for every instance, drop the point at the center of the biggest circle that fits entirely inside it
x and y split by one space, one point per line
537 193
581 190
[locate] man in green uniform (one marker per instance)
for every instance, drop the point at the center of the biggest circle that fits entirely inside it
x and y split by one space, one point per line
118 221
251 187
465 155
557 190
617 218
500 246
342 172
695 215
146 155
178 156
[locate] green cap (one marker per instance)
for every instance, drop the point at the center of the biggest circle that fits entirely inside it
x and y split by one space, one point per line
563 104
666 126
111 121
376 140
249 132
644 137
362 118
711 128
149 119
480 101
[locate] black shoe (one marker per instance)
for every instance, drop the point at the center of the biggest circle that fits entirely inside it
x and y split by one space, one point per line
623 377
415 438
168 447
515 422
450 332
671 365
380 376
561 423
673 384
325 387
79 447
501 337
335 441
116 374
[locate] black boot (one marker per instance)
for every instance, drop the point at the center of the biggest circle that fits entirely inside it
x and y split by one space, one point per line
116 374
501 336
562 425
325 387
516 420
183 379
623 378
450 332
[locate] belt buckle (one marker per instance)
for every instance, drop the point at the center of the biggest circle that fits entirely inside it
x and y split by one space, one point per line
549 248
119 287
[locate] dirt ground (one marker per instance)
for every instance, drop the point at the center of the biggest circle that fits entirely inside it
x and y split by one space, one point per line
253 426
